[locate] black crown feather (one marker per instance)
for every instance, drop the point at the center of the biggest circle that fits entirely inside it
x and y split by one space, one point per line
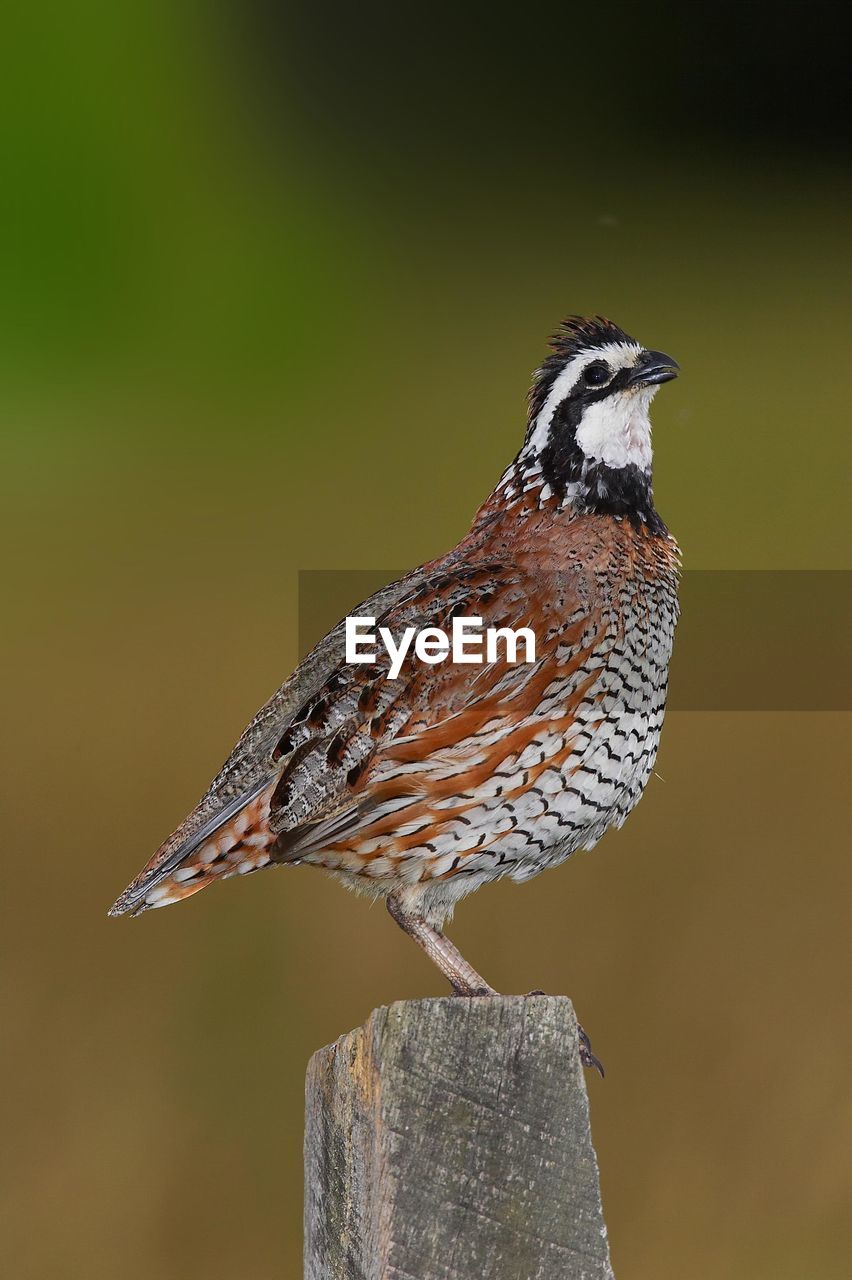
577 333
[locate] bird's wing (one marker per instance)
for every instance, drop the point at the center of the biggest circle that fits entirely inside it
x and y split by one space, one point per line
368 745
344 744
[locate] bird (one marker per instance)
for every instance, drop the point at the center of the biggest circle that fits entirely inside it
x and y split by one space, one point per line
420 786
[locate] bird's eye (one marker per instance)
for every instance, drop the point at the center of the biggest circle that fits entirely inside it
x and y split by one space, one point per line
596 374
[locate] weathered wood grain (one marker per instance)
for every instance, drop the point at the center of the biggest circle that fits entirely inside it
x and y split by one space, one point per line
449 1140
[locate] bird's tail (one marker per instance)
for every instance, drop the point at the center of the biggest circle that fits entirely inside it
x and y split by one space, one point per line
234 841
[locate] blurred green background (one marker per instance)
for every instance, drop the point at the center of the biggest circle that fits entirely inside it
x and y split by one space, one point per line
273 282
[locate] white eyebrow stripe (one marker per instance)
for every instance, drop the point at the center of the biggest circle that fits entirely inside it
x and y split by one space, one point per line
614 353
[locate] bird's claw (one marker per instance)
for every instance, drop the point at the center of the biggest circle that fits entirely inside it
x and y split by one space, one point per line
587 1058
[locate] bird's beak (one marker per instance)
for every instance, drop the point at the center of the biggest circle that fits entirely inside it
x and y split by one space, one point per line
652 368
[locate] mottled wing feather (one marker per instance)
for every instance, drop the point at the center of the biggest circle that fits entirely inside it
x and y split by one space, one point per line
252 768
425 717
343 748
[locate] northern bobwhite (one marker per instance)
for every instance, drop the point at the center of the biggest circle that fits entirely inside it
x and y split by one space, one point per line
423 787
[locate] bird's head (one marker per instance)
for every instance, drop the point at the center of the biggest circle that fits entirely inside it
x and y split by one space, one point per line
589 430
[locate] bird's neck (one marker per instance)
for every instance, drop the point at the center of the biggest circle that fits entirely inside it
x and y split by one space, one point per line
573 485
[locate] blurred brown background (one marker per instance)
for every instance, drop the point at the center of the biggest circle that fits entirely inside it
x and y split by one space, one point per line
274 279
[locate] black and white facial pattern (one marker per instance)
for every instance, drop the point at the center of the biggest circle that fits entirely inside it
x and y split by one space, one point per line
589 435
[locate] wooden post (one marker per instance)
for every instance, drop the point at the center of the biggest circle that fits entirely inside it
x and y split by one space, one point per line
449 1140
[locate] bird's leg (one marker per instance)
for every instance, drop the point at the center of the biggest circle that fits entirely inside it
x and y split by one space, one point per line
461 976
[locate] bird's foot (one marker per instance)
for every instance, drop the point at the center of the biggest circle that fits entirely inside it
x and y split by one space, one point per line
587 1058
470 993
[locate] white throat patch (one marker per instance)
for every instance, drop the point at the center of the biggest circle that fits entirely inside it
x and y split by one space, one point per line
617 430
